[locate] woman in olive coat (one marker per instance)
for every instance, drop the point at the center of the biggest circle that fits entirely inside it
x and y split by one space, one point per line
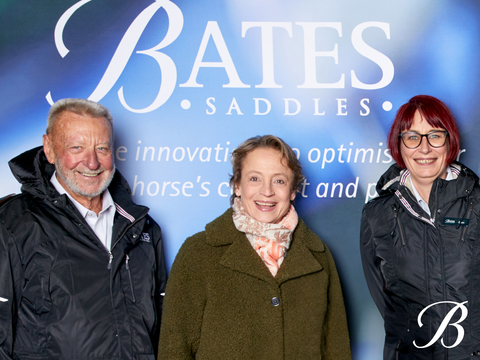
257 283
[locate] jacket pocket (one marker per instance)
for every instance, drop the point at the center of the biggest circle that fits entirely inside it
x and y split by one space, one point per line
467 217
402 350
129 277
398 225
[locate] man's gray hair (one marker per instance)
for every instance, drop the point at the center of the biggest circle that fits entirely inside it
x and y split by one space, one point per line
80 107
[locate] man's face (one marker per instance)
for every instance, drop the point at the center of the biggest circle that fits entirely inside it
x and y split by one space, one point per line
81 148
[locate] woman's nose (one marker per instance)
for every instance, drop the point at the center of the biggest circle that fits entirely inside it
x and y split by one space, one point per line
424 145
267 189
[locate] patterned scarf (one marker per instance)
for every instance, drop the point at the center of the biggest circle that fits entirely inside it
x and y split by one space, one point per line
270 241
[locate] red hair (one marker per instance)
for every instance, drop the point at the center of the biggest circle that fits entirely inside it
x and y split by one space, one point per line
437 115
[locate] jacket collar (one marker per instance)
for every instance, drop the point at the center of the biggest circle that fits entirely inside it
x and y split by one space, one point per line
240 255
33 171
396 179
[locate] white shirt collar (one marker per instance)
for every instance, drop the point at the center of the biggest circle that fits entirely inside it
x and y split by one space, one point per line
101 225
107 200
419 199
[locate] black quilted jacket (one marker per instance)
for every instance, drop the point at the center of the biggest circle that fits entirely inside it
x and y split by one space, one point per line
62 294
415 262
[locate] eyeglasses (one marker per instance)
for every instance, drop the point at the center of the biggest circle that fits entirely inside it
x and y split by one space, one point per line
412 139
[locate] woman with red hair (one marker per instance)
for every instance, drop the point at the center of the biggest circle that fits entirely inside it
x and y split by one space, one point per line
420 239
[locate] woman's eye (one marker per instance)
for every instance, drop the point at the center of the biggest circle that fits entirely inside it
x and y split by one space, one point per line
280 181
253 178
413 137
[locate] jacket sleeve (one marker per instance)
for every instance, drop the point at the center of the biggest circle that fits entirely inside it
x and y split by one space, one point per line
185 298
337 341
11 282
371 265
160 276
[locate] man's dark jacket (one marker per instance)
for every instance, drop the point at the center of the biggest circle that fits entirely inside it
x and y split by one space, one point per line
63 295
415 262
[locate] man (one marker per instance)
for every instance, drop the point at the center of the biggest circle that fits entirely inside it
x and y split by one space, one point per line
82 272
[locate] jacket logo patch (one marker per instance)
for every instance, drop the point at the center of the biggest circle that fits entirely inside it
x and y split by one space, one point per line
3 299
455 221
145 237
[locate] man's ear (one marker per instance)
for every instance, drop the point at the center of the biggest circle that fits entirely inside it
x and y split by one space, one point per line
48 148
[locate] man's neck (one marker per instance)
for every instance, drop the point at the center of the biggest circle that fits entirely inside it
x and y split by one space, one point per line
94 204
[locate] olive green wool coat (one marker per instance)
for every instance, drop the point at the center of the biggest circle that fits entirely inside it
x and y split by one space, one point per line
222 302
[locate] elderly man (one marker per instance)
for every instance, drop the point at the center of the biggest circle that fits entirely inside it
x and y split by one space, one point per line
82 272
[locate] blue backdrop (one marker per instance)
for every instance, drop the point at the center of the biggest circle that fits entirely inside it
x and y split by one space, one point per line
187 81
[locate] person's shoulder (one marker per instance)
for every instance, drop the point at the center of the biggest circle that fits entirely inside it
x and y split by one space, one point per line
217 233
17 205
196 239
20 217
152 223
378 203
309 237
5 199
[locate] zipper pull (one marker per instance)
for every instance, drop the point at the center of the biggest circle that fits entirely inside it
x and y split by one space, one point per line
126 262
109 267
394 210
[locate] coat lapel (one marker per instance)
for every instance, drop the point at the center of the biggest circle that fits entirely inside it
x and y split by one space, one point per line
240 255
299 261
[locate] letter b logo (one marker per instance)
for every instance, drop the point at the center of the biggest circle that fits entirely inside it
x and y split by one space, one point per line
445 323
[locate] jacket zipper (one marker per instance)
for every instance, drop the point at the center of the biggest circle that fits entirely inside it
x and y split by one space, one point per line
398 223
397 350
110 255
129 277
436 204
109 266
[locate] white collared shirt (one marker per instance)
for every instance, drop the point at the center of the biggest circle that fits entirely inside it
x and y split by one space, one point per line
422 202
103 223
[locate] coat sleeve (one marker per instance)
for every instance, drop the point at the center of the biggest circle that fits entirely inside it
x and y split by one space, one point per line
11 282
185 299
337 341
371 265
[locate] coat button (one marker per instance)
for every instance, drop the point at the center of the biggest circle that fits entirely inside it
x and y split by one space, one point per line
135 236
275 301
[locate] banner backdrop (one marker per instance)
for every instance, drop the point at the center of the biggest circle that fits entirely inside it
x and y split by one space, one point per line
187 81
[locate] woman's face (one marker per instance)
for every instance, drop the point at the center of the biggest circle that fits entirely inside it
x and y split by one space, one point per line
264 187
425 163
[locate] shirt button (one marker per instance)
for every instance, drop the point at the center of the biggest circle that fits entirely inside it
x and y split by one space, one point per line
275 301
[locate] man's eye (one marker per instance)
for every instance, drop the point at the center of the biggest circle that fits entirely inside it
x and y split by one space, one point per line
253 178
280 181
